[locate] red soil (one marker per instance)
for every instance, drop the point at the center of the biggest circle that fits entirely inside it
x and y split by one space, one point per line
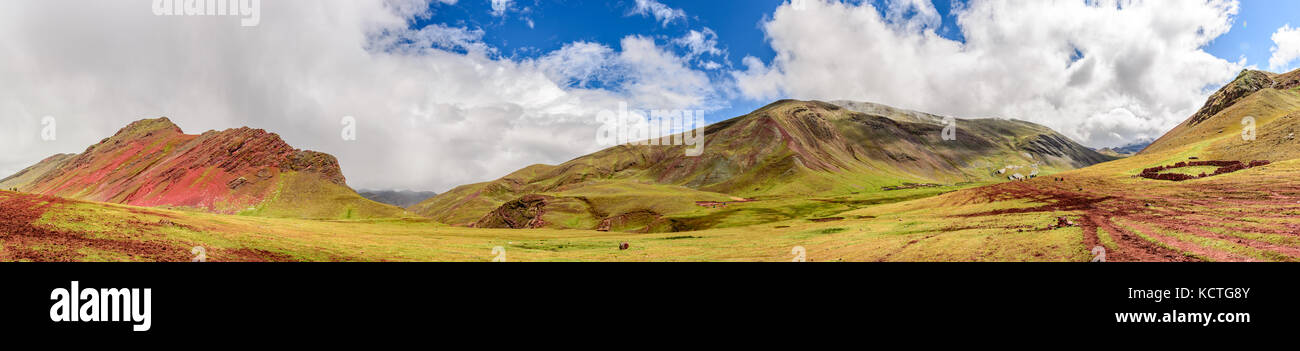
153 163
1157 209
23 239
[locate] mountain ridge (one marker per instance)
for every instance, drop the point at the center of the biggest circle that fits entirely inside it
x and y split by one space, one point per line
788 148
152 162
1268 102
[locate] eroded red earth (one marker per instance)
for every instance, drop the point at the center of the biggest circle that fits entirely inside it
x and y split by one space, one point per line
1163 222
24 239
153 163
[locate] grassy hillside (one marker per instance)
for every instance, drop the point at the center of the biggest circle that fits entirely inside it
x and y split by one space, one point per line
1261 96
305 195
798 154
27 176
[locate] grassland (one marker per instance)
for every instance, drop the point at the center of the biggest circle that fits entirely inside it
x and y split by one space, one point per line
246 238
1244 216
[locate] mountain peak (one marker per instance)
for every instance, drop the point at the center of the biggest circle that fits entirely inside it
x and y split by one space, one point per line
1246 83
890 112
146 126
1266 102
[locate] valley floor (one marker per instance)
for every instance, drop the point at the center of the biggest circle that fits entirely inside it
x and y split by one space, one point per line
1251 215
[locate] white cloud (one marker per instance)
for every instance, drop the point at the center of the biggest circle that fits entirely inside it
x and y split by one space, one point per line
700 45
659 11
1286 48
912 15
700 42
662 78
580 64
499 7
1142 68
436 35
435 107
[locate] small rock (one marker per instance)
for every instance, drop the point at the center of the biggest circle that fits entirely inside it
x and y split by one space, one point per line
236 183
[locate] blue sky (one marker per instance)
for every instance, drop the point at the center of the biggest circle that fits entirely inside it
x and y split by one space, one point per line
555 23
1255 24
532 28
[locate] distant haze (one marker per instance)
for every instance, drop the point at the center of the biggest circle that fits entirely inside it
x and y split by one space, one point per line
401 199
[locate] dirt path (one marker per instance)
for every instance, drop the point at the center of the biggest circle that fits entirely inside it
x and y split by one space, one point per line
1131 248
1100 203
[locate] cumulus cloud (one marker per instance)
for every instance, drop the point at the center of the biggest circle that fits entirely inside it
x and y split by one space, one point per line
912 15
435 106
1286 48
702 46
499 7
662 13
1102 72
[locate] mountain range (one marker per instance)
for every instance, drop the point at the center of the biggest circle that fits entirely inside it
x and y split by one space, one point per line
403 198
1129 149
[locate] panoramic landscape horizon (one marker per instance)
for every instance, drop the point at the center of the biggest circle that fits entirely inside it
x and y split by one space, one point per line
765 131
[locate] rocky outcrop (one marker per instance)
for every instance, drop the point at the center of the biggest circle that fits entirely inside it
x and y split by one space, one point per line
317 162
1248 82
523 213
1289 80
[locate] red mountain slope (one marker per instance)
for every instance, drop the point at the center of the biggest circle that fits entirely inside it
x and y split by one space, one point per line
153 163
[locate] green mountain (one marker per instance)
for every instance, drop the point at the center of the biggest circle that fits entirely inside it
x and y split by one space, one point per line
792 158
1268 102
